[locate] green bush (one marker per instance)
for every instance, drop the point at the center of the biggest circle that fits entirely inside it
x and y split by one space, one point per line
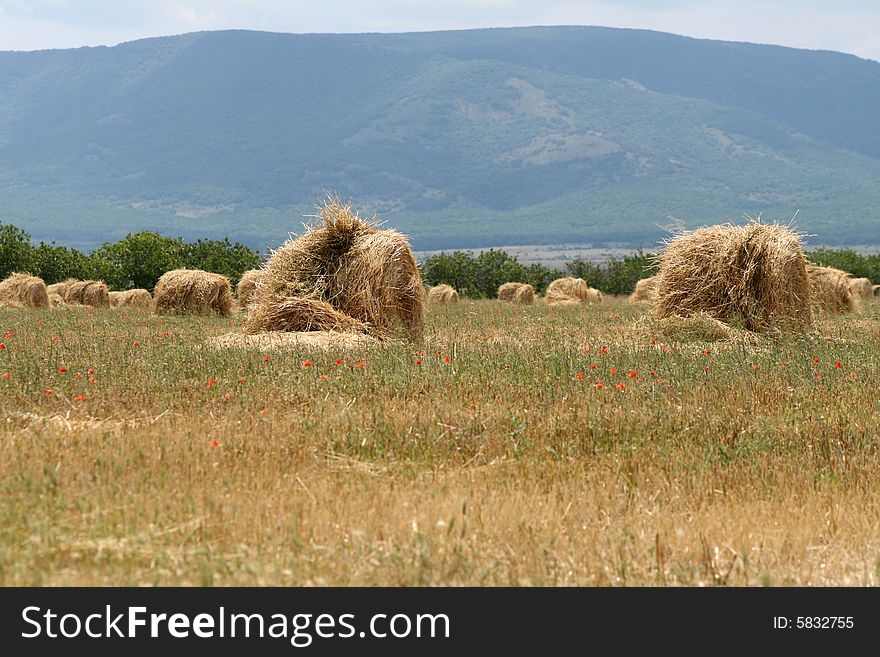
16 252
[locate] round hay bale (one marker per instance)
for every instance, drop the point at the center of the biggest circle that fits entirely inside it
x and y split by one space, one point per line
756 273
247 286
341 274
569 291
23 291
136 298
876 291
87 293
442 293
645 291
56 300
830 289
861 288
192 292
517 293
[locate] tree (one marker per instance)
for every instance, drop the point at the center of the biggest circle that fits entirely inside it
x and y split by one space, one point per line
456 270
16 252
138 260
54 263
231 259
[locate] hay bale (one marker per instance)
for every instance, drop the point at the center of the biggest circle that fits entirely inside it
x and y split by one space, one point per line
755 273
56 300
861 288
876 291
341 274
247 286
645 291
136 298
87 293
23 291
517 293
442 293
568 291
830 289
192 292
287 340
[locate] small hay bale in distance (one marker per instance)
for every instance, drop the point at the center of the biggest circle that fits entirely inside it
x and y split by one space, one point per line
645 291
861 288
569 291
442 293
877 291
56 300
342 274
830 290
23 291
755 273
192 292
136 298
247 286
514 292
85 293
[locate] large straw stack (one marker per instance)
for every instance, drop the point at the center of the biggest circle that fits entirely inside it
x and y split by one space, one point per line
645 291
830 290
136 298
247 286
517 293
861 289
192 291
86 293
341 274
568 291
442 293
755 274
23 291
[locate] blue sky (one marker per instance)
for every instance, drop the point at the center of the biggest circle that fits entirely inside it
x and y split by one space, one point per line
847 25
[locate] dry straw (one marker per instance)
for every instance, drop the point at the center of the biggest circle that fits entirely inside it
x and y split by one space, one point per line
645 291
23 291
517 293
86 293
754 274
137 298
861 288
281 340
56 300
247 286
342 274
830 289
192 291
569 291
442 293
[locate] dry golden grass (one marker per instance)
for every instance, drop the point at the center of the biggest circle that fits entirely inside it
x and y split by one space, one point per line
489 456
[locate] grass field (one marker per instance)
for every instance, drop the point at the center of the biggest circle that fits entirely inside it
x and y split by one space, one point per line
132 454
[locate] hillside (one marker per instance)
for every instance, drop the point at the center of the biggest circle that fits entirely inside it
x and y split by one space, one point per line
461 139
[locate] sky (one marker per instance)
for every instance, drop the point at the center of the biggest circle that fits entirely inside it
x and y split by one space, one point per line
851 26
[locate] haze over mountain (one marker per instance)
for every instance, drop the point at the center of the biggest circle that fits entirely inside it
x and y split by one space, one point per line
460 139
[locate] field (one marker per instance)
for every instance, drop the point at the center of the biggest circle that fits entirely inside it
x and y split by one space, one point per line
515 446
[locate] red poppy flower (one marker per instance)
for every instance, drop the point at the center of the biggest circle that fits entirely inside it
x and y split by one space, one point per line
215 443
620 386
706 352
265 358
50 392
613 370
62 369
211 383
2 346
362 363
837 364
580 375
80 398
852 375
600 385
816 360
418 361
90 372
633 374
6 375
136 343
307 363
756 367
446 359
338 361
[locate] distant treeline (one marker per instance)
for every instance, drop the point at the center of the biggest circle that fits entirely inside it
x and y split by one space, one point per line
137 261
479 276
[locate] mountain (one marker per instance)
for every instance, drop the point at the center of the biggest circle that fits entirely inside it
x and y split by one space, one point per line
460 139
